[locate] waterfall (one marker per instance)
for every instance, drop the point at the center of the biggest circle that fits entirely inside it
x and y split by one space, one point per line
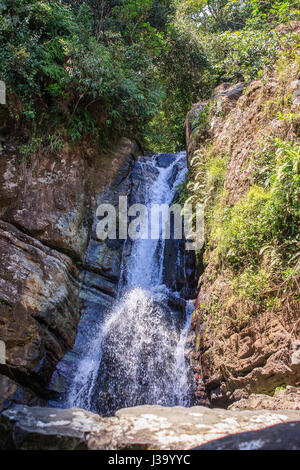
137 352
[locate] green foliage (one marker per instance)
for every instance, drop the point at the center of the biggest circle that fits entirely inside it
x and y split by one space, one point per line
270 13
58 71
182 193
257 238
31 147
181 68
245 231
133 67
266 217
63 61
248 52
251 283
277 389
239 37
215 173
264 161
208 174
201 121
217 15
224 15
283 210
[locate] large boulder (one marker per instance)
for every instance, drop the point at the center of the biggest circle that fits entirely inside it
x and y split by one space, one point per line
284 436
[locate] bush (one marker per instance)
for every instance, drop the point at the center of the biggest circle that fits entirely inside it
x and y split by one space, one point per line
251 284
266 217
248 52
55 67
246 230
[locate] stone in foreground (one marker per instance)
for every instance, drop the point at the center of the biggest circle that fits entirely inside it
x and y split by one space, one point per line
143 427
284 436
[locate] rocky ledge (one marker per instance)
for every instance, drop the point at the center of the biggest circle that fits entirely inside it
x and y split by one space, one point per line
146 428
287 399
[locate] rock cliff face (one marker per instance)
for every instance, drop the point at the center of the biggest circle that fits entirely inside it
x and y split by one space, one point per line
239 349
50 257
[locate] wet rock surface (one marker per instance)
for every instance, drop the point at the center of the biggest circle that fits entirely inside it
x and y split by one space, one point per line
39 308
53 269
165 159
147 427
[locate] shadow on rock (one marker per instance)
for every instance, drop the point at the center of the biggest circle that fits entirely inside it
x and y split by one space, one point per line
283 436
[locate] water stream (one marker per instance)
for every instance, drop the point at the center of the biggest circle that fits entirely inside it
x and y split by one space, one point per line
137 352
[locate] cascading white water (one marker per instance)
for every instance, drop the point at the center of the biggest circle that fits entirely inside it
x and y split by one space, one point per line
137 353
